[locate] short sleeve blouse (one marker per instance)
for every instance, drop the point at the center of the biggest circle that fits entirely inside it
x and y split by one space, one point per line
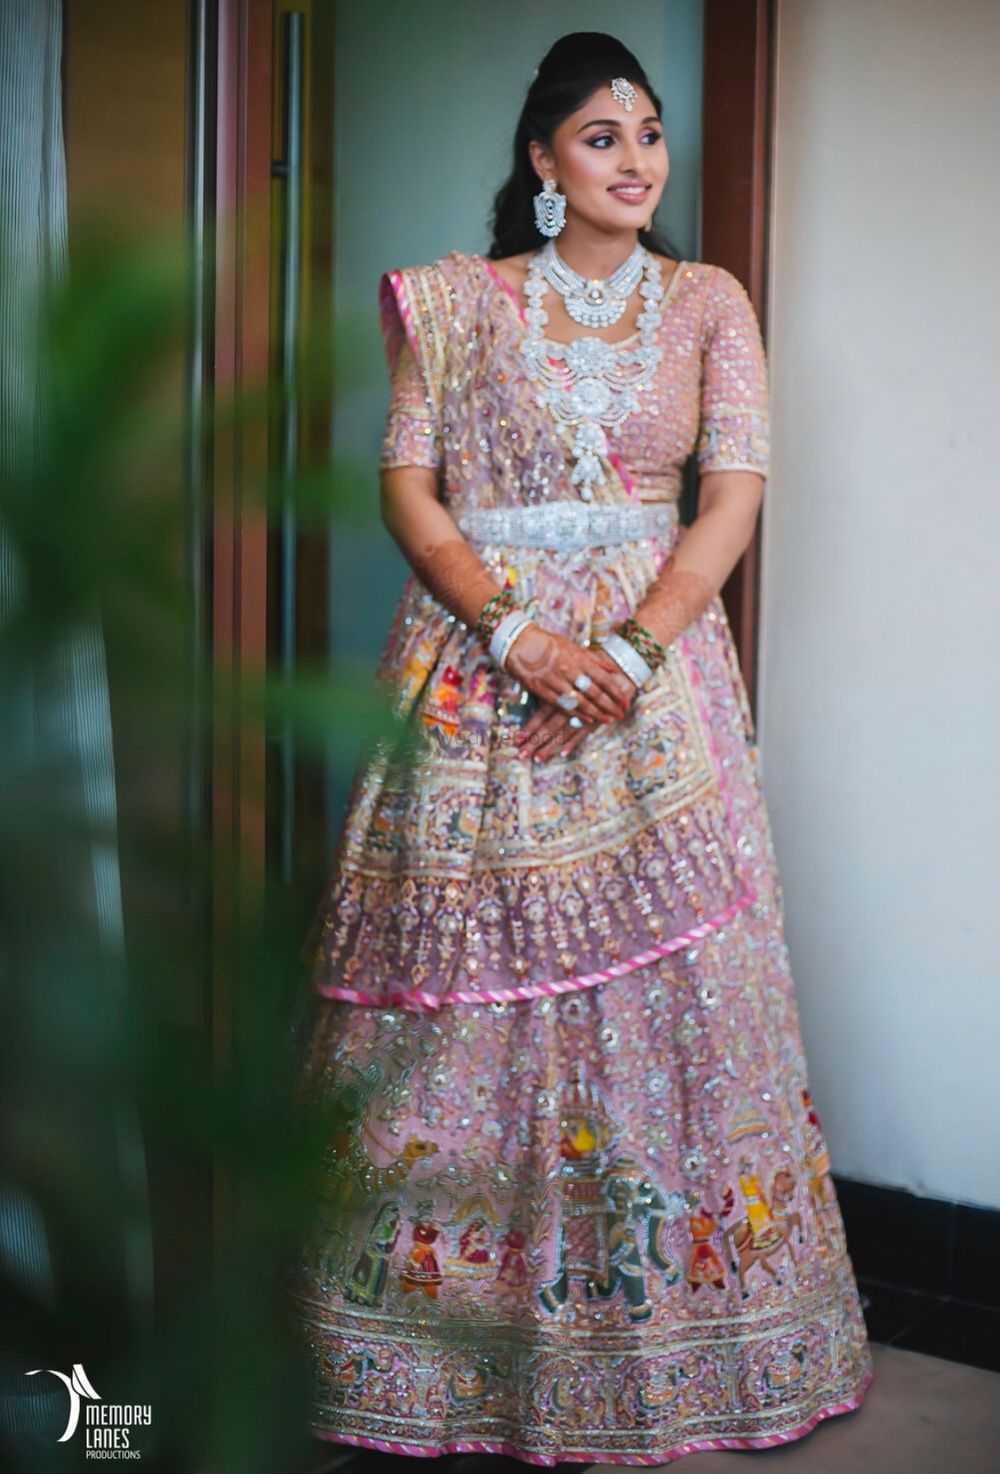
412 431
734 429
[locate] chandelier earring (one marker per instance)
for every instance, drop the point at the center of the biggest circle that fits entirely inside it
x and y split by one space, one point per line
550 209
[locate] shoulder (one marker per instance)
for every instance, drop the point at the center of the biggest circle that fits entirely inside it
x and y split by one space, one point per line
668 265
450 265
513 269
438 280
427 288
721 285
726 303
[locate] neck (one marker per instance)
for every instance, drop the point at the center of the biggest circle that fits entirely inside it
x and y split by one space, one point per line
592 253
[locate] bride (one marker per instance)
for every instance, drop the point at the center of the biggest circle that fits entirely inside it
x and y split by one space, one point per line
579 1204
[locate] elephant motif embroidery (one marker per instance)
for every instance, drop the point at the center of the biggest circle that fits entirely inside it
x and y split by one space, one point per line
613 1215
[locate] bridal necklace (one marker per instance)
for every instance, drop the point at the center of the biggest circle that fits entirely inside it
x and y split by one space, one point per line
593 302
593 386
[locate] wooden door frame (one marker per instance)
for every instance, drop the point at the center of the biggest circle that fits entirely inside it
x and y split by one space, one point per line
737 112
230 108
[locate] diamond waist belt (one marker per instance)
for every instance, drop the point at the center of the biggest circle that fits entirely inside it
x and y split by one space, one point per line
564 525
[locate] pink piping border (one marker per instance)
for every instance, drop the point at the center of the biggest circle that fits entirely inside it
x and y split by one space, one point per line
417 999
696 1445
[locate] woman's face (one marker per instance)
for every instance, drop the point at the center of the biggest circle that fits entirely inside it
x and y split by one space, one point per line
601 146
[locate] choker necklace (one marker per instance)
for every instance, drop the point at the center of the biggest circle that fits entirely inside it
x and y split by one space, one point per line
593 302
593 385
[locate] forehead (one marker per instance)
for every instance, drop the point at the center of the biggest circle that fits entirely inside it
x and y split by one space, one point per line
602 104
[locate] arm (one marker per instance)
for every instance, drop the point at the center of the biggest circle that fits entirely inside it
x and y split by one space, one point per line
728 503
447 565
428 537
733 456
707 553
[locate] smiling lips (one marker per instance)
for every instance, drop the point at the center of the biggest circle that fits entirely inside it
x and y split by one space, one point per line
632 194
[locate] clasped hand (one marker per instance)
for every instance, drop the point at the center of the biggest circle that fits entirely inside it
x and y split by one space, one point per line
548 664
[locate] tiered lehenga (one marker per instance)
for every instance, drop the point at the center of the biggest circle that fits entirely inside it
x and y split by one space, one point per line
580 1206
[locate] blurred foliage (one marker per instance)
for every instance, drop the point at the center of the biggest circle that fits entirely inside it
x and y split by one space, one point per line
127 1116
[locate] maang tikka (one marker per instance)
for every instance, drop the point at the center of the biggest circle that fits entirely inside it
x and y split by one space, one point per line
622 91
550 209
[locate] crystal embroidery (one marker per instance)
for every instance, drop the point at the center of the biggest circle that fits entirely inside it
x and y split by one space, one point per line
593 386
566 526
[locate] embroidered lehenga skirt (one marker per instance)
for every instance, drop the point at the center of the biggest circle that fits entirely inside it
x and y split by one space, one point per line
579 1206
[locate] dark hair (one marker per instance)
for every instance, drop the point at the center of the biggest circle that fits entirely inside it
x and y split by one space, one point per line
573 68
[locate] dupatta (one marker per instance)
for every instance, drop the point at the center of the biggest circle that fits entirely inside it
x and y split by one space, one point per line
465 875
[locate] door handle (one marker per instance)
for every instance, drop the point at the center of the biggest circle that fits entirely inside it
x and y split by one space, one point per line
288 168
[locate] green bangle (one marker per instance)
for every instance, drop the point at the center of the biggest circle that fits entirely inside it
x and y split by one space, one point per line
493 611
640 638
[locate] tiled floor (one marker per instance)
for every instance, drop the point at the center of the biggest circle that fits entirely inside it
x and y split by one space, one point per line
922 1415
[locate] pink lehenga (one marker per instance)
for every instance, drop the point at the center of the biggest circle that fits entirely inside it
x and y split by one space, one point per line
581 1207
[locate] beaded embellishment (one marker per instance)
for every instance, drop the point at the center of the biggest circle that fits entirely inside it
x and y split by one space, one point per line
593 386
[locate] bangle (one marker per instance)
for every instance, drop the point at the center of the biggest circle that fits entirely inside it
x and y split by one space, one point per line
492 612
626 657
506 633
642 641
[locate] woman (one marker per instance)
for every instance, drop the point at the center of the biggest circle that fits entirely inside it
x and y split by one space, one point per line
549 971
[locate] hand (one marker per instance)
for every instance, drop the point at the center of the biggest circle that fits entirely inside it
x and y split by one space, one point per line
548 731
548 663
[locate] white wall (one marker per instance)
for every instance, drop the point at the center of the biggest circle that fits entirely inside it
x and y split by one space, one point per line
880 645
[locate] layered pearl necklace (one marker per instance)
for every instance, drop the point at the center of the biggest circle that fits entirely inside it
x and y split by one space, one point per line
593 386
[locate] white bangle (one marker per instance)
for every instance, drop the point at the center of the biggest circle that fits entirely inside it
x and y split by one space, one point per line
506 633
627 658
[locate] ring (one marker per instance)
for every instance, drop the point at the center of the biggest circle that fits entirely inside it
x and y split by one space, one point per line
576 721
583 682
567 701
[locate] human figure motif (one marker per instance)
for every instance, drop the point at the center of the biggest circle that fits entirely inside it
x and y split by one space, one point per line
475 1219
787 1218
704 1265
475 1243
765 1233
421 1270
757 1238
365 1284
349 1179
513 1271
817 1158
